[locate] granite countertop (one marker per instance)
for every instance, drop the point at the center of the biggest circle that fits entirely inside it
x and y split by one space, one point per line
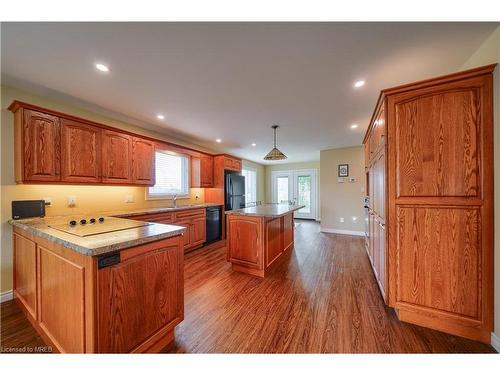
157 210
100 243
266 210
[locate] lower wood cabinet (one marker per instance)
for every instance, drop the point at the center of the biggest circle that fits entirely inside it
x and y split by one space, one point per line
25 273
152 281
78 307
194 220
256 245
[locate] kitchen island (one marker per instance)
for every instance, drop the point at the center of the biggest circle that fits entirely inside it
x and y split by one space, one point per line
104 286
260 237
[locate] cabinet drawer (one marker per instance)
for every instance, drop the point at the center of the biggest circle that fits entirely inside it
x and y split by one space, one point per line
179 215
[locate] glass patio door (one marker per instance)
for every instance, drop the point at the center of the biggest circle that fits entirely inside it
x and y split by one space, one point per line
298 187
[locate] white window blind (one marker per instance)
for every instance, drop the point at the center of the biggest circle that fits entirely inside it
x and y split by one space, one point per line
172 173
250 185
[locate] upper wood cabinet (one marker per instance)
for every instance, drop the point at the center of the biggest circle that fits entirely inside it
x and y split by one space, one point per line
53 147
143 161
202 171
116 157
232 163
430 171
80 152
37 147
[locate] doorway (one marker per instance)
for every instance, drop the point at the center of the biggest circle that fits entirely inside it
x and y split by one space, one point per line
298 187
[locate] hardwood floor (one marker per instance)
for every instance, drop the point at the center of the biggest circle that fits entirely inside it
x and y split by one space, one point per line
323 299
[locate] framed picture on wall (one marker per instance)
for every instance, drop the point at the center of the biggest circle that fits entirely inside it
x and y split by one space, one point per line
343 170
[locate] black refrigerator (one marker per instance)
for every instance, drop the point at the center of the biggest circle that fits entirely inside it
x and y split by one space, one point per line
234 190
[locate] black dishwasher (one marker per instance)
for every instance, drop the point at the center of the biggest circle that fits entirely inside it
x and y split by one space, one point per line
214 224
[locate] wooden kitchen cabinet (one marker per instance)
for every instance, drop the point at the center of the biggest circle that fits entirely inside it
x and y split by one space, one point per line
232 163
140 280
53 147
80 152
84 304
116 157
430 165
37 146
202 171
194 220
143 161
25 276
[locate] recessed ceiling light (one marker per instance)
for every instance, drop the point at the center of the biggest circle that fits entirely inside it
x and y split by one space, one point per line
254 144
358 84
102 67
160 117
218 140
354 126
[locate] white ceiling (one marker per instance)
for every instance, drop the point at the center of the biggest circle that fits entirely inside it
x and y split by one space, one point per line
234 80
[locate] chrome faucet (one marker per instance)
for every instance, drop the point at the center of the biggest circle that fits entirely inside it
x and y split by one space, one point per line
174 198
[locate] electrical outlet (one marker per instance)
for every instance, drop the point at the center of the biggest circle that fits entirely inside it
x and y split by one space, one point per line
341 219
71 201
129 198
48 202
341 180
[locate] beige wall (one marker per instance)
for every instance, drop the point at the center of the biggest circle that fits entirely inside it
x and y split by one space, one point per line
261 178
489 53
342 200
285 167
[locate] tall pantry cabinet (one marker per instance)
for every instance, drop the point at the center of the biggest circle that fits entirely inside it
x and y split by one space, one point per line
429 162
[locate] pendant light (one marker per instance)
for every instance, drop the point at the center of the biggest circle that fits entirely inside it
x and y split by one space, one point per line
275 154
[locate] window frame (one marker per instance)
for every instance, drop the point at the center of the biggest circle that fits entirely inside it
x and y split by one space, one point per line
254 170
187 174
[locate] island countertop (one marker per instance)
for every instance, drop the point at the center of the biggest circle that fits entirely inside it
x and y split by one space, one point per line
266 210
100 243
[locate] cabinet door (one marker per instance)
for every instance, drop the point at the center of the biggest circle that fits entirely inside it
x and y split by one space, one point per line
376 247
41 149
378 182
371 231
116 157
25 283
187 240
382 256
195 181
143 161
80 152
381 176
287 231
198 231
274 240
206 171
139 297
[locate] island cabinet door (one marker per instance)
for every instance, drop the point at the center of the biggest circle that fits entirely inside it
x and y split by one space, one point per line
245 237
274 240
141 299
287 231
